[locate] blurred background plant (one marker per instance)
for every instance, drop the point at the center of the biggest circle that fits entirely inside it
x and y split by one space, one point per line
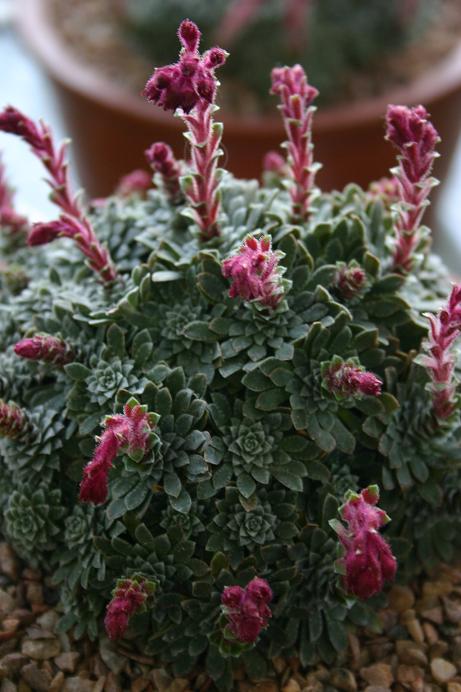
339 42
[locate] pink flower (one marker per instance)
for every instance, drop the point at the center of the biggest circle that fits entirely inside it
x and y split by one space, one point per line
191 80
410 131
47 348
345 379
387 189
297 97
136 182
129 432
247 610
129 596
368 560
255 272
13 420
161 158
440 361
73 223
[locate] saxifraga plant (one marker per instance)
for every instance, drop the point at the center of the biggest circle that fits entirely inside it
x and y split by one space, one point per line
334 40
253 361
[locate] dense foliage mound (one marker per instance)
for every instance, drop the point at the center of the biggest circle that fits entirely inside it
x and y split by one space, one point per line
249 357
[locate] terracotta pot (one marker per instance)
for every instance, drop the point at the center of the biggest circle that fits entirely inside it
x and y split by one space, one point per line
111 127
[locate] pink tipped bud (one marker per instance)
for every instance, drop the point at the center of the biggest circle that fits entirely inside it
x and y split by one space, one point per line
161 158
129 596
44 233
247 610
45 348
136 182
189 35
350 281
214 58
387 189
368 560
255 272
12 420
274 163
345 380
292 81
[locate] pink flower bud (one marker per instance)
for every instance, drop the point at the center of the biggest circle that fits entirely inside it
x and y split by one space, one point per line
274 163
247 610
346 380
136 182
46 348
189 35
255 272
368 560
161 158
350 281
12 420
44 233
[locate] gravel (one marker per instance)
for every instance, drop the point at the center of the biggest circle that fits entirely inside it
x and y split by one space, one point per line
418 648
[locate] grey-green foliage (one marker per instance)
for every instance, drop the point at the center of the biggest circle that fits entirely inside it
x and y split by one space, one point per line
251 454
343 38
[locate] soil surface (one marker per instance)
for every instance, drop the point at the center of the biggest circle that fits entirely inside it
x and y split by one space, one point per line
91 30
418 648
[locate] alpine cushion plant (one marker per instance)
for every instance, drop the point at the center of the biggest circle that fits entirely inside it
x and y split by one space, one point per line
198 426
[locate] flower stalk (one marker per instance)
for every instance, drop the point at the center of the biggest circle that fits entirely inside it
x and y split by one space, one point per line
190 85
296 105
439 358
72 223
415 138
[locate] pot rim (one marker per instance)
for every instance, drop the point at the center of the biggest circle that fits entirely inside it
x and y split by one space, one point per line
68 71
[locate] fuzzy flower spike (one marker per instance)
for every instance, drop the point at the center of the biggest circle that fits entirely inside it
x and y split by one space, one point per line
296 99
368 561
130 433
439 358
72 223
415 138
189 86
247 610
129 597
255 272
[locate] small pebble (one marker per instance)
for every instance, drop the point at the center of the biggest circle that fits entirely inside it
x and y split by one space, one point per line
343 679
291 686
401 598
378 675
442 670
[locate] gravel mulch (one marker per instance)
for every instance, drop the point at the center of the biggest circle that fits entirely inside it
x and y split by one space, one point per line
419 648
